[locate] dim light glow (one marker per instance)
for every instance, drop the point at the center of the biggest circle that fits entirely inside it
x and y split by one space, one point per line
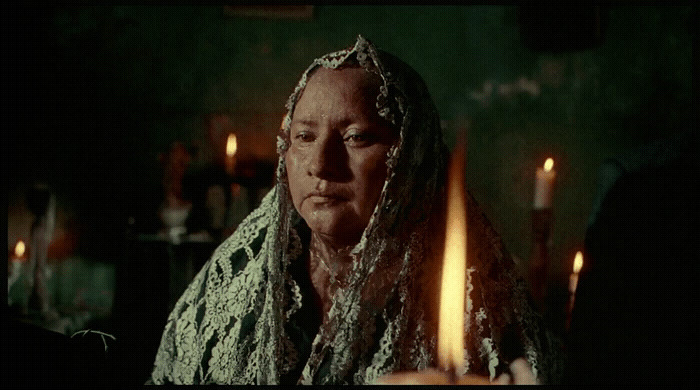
231 145
578 262
451 320
548 164
20 248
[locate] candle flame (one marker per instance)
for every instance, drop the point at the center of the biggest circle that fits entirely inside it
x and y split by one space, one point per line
578 262
548 164
20 248
451 324
231 145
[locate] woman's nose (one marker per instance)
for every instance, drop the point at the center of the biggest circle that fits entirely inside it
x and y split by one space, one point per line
326 160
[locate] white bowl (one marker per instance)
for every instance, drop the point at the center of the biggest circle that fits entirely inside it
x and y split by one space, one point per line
175 217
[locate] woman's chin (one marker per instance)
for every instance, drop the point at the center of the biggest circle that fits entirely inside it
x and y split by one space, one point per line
338 231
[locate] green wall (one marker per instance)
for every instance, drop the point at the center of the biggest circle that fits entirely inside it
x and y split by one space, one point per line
131 80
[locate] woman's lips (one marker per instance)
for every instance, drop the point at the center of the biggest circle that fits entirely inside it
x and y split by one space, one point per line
325 197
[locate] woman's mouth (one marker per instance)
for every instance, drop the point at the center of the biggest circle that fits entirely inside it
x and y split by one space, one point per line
325 197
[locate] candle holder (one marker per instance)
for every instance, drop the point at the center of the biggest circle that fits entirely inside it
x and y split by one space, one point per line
573 280
15 268
42 203
539 260
255 176
431 376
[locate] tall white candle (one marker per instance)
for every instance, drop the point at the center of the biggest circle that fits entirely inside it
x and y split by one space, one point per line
544 183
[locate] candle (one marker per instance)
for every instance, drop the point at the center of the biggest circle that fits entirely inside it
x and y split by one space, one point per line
17 263
573 283
451 324
20 248
544 182
231 147
573 278
452 295
451 321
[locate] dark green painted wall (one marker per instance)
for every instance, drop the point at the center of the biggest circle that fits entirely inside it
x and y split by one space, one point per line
98 92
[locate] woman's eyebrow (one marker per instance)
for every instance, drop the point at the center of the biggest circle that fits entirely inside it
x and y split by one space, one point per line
304 122
341 123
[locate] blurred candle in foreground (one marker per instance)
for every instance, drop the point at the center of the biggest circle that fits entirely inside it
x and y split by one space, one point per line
451 333
452 294
231 147
451 320
544 183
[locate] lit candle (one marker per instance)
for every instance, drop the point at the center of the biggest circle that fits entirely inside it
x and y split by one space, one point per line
573 283
544 183
573 278
454 266
231 147
17 262
451 321
20 249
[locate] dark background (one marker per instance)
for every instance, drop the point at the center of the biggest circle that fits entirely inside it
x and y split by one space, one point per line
93 94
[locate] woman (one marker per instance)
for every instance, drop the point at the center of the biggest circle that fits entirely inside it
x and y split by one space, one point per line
333 278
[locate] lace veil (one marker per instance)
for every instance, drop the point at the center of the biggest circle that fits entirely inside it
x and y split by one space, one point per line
384 319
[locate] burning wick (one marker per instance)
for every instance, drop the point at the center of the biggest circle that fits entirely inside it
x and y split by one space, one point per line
231 147
573 278
19 249
548 164
578 262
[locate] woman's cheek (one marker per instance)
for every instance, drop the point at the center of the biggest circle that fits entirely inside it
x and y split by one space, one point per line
375 168
291 161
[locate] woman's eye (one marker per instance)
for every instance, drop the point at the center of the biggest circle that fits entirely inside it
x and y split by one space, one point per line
358 139
304 136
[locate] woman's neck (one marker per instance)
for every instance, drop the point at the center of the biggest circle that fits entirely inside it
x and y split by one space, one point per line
330 248
329 267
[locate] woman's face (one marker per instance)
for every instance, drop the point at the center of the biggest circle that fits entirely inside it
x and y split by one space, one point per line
336 163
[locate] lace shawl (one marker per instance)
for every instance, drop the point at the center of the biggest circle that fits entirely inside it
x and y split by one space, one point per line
395 276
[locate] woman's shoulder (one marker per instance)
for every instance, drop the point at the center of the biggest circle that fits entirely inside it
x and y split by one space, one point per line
234 254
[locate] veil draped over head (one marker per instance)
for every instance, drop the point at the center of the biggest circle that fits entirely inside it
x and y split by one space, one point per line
231 324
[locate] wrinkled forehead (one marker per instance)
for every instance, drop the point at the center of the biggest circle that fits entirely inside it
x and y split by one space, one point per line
353 74
364 77
359 85
362 55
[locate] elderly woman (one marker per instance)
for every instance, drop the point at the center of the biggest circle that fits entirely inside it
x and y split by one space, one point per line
333 279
